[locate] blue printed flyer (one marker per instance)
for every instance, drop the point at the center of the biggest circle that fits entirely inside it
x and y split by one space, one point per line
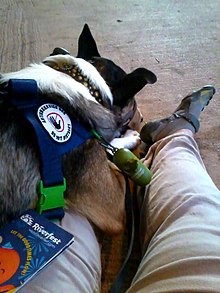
27 245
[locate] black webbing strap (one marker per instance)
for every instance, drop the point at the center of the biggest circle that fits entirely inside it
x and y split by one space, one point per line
120 278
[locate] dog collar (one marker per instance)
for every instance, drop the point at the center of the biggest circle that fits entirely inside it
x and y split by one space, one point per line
130 115
73 71
56 134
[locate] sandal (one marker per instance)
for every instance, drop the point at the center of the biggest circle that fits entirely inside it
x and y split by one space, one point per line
186 116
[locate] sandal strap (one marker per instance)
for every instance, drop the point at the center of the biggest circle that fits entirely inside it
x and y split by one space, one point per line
190 118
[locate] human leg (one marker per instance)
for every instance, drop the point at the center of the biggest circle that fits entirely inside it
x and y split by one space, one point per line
179 221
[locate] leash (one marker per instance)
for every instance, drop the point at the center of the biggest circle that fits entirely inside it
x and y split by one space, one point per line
132 168
124 159
121 276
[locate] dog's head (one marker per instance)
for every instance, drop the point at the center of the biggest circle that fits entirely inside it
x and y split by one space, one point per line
123 86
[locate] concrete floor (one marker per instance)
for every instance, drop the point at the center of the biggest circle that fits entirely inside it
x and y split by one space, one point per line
178 40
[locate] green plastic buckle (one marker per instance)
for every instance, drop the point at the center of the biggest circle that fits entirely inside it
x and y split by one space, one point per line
50 197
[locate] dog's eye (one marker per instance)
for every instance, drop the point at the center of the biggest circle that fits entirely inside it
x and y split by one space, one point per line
142 119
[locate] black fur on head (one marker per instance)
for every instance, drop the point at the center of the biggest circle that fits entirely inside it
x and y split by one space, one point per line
123 86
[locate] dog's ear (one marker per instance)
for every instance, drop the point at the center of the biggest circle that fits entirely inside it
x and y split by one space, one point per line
58 51
132 83
87 47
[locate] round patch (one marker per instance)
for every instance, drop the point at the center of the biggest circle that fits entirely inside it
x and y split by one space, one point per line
56 122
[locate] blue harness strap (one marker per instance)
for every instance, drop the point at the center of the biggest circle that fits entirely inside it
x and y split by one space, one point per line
24 97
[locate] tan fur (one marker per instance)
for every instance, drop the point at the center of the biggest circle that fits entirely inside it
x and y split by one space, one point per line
99 195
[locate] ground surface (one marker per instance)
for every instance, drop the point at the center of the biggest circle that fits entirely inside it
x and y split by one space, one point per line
178 40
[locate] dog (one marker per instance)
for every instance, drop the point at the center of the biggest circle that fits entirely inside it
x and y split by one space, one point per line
99 95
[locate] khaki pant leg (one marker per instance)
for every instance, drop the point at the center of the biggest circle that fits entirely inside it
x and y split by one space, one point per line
180 222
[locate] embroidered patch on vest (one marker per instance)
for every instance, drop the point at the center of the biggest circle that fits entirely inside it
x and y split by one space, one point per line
56 122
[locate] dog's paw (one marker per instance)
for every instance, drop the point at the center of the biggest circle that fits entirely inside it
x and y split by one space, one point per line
130 133
130 140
